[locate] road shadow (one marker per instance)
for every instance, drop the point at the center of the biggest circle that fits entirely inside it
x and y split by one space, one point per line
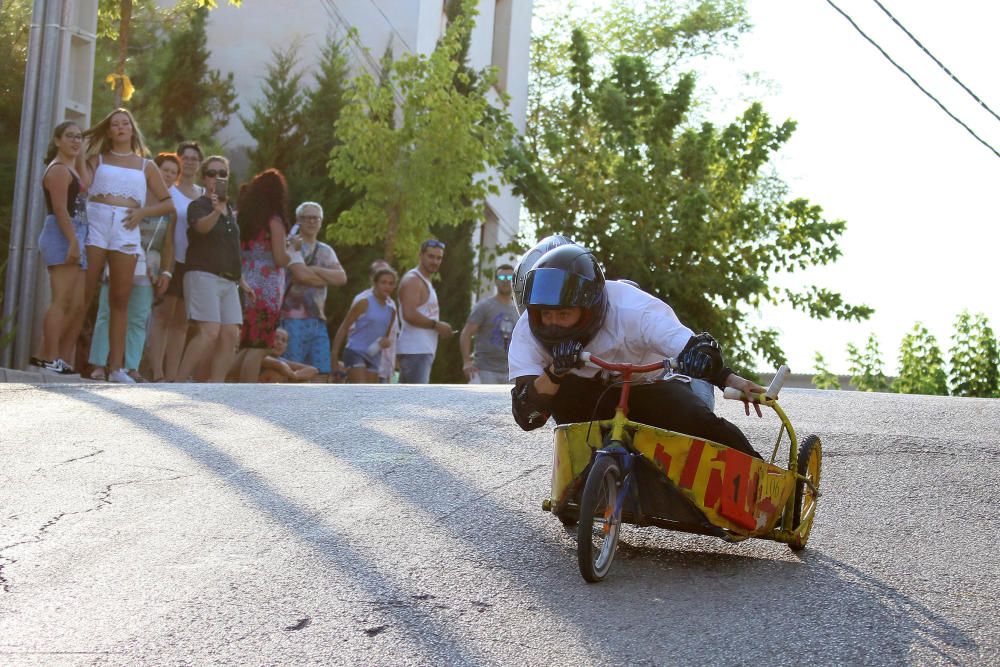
727 603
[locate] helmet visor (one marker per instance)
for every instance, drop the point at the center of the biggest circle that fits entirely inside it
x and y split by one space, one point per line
558 289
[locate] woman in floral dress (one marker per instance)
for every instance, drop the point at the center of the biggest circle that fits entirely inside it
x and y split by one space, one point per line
263 220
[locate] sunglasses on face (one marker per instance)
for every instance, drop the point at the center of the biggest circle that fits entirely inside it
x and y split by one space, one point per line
433 243
503 278
212 173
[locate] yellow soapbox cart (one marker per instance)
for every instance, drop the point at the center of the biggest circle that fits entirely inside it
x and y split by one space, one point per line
614 471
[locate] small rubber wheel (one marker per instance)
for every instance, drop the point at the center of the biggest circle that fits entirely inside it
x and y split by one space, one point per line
567 516
597 533
810 463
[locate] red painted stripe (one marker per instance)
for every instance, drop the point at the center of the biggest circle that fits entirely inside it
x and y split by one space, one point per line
691 464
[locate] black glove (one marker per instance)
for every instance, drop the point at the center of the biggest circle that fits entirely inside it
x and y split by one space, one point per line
701 358
566 356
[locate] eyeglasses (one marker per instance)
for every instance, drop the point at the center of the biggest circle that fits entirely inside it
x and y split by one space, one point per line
212 173
431 243
73 137
501 278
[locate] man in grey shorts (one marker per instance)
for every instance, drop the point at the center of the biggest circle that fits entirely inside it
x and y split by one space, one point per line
491 322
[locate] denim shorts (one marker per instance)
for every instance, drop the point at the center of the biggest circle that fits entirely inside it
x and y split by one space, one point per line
53 244
107 230
355 359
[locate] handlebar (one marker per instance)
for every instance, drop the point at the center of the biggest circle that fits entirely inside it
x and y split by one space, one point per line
587 357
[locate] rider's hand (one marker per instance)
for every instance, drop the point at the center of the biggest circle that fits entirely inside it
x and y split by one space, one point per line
748 388
698 359
566 356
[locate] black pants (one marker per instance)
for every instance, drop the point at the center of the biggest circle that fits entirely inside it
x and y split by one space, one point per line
667 405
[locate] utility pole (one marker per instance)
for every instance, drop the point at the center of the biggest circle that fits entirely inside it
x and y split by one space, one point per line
57 86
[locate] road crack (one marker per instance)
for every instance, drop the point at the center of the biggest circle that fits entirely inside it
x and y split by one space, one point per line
103 498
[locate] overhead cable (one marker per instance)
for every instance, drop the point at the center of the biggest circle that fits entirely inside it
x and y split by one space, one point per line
914 81
932 57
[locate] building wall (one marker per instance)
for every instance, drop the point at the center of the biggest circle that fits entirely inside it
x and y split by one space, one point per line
241 40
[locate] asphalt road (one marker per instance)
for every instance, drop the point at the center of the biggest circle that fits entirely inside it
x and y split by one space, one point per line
226 524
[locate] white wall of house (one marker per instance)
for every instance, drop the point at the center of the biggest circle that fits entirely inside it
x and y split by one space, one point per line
241 40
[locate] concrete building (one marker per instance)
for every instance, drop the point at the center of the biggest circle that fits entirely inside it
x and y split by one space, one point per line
241 40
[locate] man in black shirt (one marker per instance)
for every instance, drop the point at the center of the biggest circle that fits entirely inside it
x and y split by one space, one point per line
212 277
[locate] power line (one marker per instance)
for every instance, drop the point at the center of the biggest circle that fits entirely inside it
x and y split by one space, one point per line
938 62
914 81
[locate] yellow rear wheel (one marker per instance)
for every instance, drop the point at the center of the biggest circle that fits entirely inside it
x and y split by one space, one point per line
806 495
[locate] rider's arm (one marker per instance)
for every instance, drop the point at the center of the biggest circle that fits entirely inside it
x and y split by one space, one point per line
531 400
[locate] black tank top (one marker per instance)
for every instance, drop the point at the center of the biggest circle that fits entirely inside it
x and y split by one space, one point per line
72 192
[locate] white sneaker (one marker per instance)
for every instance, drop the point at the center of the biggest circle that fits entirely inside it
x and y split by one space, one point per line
121 376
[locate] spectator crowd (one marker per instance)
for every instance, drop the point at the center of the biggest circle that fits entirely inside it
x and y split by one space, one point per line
196 283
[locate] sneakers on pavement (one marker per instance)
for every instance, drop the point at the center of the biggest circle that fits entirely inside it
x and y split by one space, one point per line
58 366
121 376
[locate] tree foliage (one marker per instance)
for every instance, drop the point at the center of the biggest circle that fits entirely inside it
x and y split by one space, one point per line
418 150
177 96
687 209
275 121
974 357
866 366
921 366
824 379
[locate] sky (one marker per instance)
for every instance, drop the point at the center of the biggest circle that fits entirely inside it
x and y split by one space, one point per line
919 193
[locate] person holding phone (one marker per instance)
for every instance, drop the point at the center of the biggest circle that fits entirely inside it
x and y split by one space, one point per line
213 276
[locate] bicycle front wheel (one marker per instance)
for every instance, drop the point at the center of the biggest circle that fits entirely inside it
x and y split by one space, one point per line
598 530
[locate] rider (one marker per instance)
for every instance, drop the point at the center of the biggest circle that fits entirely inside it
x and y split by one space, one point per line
570 309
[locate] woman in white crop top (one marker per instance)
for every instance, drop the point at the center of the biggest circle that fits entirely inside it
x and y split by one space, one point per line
121 177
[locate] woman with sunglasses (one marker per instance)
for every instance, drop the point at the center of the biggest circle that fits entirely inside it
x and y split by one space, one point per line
61 243
213 277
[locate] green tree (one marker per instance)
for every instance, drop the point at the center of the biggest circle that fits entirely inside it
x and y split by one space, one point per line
275 121
824 379
921 366
309 177
416 149
614 158
866 366
974 357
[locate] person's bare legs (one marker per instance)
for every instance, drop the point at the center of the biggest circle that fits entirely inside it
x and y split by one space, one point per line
205 339
250 369
63 280
361 376
122 269
225 352
74 322
156 341
177 331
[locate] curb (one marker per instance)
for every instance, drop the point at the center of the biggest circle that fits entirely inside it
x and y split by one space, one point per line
37 377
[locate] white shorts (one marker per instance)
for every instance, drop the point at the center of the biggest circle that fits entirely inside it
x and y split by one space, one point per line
210 298
107 231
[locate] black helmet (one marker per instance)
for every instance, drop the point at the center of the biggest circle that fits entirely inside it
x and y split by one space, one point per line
566 277
527 263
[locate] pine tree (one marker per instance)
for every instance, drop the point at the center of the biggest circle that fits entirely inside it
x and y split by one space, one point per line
194 102
309 178
275 121
974 357
921 366
866 366
824 379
